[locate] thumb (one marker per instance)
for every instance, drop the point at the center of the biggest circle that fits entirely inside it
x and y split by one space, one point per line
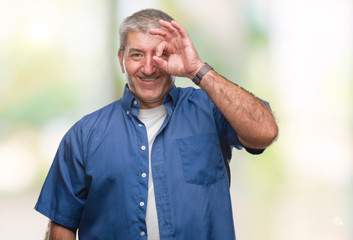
161 63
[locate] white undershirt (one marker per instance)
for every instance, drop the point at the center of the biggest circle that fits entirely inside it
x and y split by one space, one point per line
153 120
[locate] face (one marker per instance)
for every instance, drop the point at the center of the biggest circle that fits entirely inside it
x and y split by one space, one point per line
148 82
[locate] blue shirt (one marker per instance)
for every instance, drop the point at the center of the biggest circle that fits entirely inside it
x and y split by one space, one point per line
98 181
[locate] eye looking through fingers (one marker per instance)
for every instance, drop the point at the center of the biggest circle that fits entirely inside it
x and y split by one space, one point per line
165 55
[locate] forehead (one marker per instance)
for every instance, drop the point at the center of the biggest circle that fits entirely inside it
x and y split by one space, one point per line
142 41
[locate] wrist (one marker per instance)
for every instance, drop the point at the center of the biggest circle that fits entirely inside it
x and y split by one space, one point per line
197 69
201 73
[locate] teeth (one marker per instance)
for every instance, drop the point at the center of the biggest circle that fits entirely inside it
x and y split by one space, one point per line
148 79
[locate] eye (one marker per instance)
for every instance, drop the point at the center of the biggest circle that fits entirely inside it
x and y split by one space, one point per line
165 54
136 55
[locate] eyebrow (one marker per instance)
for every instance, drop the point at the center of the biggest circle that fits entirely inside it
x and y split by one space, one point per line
134 50
137 50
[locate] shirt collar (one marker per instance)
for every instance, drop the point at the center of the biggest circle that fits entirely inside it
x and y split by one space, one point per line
129 101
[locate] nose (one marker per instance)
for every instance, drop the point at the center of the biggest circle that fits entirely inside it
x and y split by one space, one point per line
149 66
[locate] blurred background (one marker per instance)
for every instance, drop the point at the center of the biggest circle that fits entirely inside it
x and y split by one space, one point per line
58 63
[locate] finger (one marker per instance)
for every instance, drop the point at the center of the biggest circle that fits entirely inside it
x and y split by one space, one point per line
161 62
181 30
170 28
164 50
161 32
163 46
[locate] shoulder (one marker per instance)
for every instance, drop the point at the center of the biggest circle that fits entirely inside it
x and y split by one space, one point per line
102 114
100 117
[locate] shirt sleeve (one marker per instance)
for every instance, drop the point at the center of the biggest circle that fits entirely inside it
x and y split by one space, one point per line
228 136
63 194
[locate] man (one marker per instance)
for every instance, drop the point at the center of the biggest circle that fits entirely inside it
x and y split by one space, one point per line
154 164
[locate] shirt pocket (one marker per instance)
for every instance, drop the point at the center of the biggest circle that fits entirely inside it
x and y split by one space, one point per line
201 159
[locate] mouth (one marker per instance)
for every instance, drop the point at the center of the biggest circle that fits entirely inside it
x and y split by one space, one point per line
149 79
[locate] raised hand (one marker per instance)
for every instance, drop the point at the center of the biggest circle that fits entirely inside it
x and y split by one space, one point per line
181 56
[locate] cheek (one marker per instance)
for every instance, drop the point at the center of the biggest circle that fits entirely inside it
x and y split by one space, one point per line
131 67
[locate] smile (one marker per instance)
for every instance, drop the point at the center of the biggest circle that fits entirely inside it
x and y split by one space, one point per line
148 79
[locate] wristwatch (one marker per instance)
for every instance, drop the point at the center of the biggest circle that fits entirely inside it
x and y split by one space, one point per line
205 69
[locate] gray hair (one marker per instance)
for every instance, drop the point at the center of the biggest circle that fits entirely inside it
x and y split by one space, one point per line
141 21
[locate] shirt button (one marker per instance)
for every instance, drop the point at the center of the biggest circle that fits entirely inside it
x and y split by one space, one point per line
142 204
144 175
142 233
135 102
143 147
127 112
140 125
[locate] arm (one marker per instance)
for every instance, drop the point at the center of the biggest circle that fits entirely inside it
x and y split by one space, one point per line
250 117
58 232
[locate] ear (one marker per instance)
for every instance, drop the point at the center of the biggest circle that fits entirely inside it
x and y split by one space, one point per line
121 60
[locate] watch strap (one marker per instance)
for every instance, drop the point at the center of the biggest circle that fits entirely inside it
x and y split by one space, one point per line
205 69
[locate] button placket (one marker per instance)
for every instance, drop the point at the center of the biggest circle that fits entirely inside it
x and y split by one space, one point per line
142 147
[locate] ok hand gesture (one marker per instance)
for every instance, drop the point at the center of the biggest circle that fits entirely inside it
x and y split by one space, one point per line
182 59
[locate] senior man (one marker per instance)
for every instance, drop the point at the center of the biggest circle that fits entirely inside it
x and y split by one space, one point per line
155 164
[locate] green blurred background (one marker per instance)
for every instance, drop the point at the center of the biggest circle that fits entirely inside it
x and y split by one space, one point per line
58 62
